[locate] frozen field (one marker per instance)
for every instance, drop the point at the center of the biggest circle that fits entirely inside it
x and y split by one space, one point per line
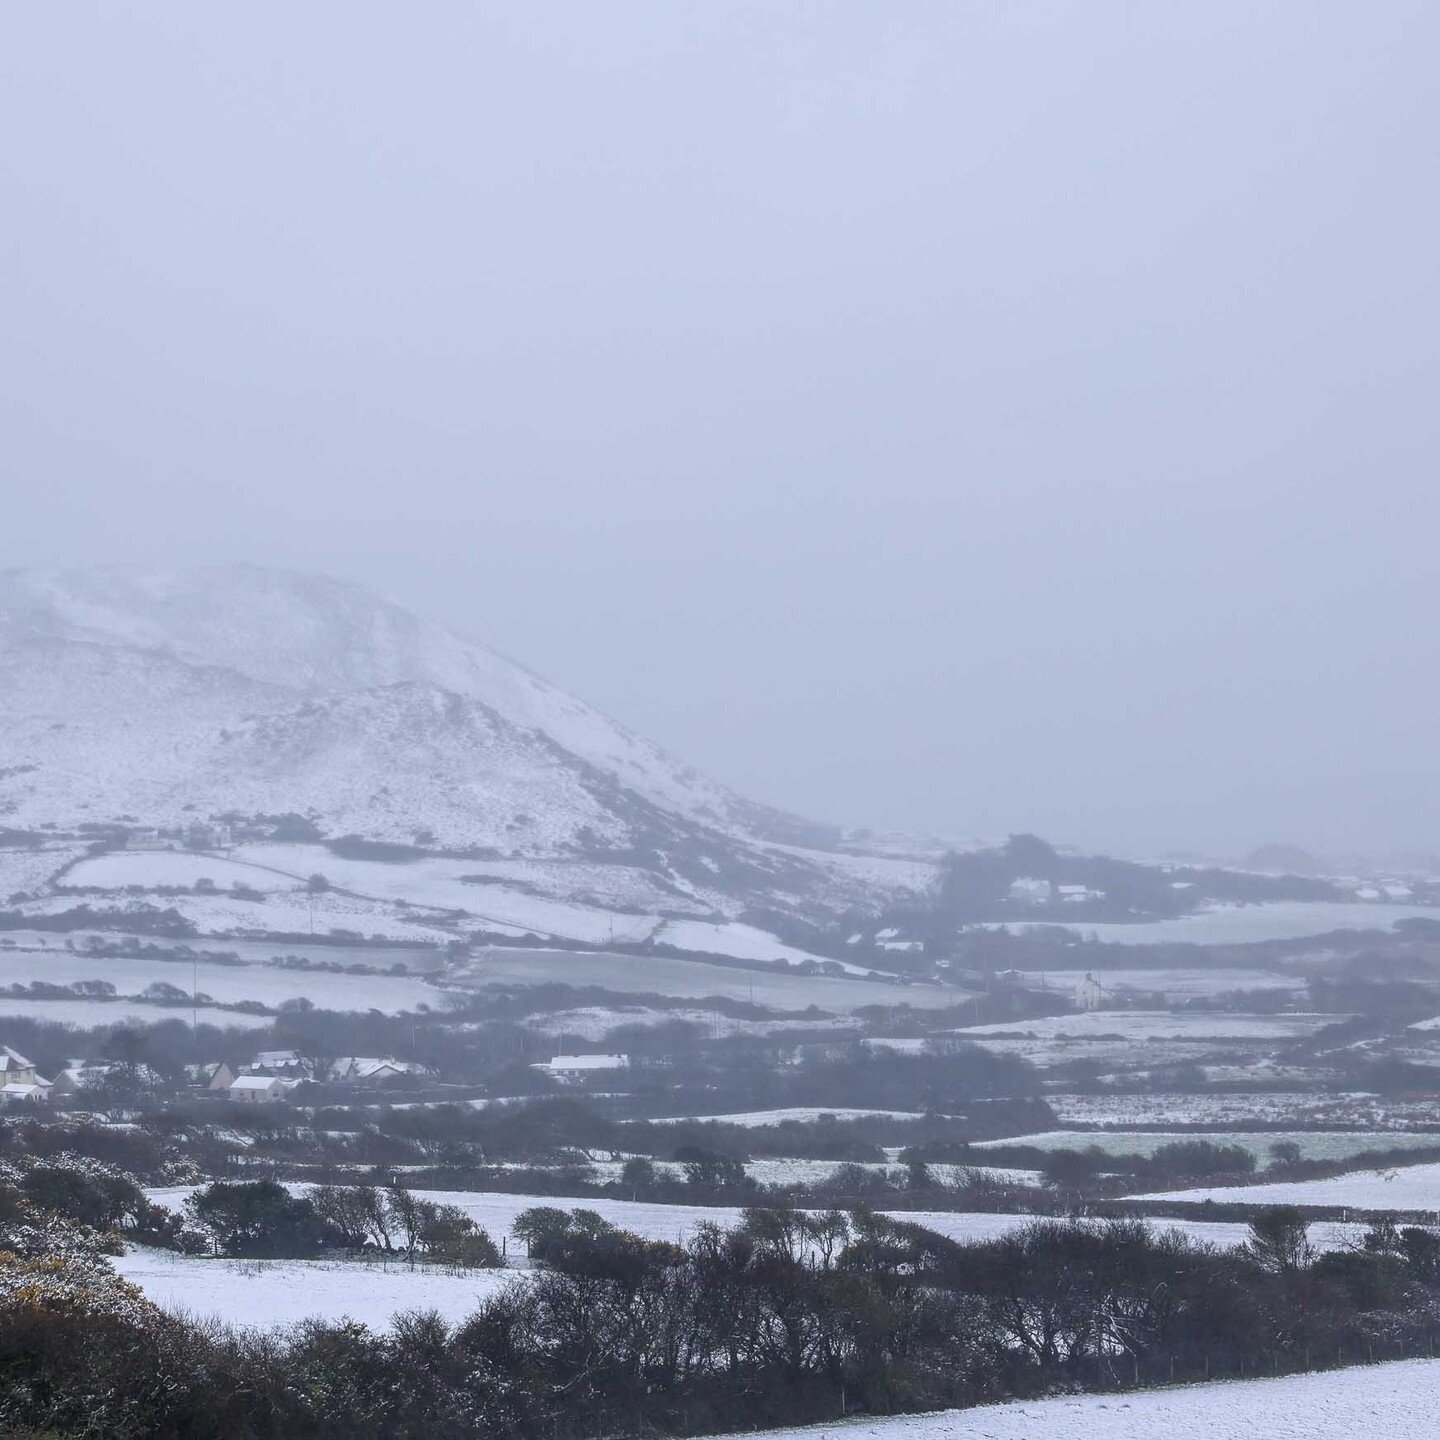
227 984
27 871
154 868
1110 1055
694 979
1337 1112
265 1293
1245 924
1398 1400
593 1023
114 1012
1314 1144
759 1118
496 1212
814 1172
1183 983
1410 1187
1156 1025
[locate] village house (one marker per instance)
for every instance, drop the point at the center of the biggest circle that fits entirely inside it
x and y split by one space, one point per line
257 1089
373 1069
15 1069
1090 994
74 1079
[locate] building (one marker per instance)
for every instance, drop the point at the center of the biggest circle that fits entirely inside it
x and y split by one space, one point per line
15 1069
374 1069
1029 890
36 1093
75 1078
257 1089
1090 994
571 1069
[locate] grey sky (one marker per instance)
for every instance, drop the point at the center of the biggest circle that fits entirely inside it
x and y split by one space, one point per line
959 417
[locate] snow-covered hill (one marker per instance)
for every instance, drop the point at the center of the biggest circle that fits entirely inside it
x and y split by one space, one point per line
156 698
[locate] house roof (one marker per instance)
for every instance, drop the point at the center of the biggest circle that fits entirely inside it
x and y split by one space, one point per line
587 1062
14 1060
254 1082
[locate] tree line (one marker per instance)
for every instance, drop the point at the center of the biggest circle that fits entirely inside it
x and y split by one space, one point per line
786 1317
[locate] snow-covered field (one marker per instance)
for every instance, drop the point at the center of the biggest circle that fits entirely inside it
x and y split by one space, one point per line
1176 983
759 1118
496 1212
783 1171
1339 1112
592 1023
25 871
266 1293
1244 924
1313 1144
114 1012
153 869
1398 1400
694 979
1156 1025
227 984
744 942
1410 1187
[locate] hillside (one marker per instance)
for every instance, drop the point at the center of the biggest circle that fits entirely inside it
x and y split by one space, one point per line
143 698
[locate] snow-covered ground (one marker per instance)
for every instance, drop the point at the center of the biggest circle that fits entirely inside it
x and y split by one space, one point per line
496 1213
1409 1187
1313 1144
267 1293
1176 983
1338 1111
593 1023
26 871
1398 1400
1157 1025
694 979
227 984
1243 924
759 1118
89 1013
783 1171
744 942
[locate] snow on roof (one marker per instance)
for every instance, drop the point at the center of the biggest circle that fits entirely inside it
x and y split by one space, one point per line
587 1062
14 1060
254 1082
364 1066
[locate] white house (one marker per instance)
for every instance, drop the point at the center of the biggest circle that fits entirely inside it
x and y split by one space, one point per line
1029 890
257 1089
372 1069
1090 994
36 1092
15 1069
569 1069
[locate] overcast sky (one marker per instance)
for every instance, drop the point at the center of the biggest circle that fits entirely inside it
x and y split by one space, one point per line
956 417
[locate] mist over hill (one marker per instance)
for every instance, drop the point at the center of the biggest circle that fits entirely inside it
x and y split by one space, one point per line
144 697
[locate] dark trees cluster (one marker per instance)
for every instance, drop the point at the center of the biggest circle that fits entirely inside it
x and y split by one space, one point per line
787 1317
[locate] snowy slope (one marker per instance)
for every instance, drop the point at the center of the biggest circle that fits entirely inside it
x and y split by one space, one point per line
153 698
1396 1400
